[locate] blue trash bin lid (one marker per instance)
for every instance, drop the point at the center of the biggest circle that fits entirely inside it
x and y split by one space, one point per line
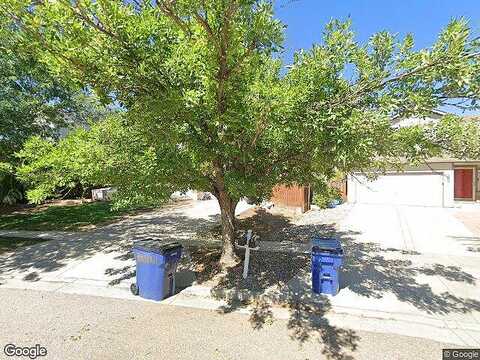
156 245
330 245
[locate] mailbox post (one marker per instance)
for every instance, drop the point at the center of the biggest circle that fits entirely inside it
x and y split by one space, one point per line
248 247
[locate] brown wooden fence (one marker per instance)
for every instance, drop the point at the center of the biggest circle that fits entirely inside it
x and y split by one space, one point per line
293 196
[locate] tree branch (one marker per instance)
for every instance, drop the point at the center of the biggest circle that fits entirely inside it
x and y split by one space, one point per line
203 22
80 14
235 67
169 12
374 85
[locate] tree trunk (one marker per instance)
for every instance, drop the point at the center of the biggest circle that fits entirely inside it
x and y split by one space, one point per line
227 210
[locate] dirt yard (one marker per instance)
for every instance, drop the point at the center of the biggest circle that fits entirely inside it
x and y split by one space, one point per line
271 268
278 224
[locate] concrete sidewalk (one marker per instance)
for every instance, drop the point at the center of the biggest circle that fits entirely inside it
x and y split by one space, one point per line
103 255
403 266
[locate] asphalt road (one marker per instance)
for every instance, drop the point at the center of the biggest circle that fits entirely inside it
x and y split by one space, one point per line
87 327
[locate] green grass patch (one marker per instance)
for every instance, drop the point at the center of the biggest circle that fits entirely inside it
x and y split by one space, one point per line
71 217
12 243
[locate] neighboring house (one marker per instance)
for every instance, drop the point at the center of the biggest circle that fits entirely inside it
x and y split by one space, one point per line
440 182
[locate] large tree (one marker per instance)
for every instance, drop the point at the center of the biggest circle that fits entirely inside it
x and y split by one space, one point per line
209 105
32 103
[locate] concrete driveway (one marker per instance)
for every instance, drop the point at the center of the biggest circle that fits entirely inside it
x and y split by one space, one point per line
427 230
412 265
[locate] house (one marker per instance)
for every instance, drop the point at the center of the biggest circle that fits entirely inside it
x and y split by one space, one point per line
439 182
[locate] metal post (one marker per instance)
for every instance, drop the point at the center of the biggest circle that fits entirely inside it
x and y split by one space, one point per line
247 255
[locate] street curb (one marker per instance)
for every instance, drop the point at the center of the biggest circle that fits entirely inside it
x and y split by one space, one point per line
281 301
272 296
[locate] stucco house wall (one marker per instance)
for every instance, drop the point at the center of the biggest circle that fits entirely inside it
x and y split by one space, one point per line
436 178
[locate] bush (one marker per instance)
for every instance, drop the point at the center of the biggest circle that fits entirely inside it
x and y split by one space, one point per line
64 168
324 197
11 191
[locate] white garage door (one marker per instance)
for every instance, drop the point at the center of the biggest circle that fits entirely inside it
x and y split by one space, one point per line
400 189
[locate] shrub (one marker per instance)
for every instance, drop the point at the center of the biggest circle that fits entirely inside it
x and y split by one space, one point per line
11 191
324 197
50 169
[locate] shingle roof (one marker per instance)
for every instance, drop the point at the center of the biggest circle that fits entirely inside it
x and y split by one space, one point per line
471 117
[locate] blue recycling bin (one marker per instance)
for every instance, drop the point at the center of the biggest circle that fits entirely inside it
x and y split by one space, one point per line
327 258
156 266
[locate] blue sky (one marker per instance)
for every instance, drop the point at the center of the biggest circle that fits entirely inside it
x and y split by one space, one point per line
306 19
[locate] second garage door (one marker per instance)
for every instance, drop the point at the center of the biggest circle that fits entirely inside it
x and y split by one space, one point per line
419 189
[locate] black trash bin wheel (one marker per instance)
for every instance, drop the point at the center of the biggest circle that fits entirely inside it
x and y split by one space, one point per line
134 289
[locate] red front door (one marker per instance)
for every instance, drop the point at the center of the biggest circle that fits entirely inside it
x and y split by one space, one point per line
463 184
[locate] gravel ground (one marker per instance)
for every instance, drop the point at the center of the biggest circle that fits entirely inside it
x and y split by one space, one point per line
87 327
267 268
325 216
278 225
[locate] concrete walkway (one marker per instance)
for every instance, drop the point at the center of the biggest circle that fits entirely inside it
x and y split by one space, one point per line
99 258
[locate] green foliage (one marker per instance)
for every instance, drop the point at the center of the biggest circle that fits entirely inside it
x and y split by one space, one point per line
49 168
32 101
323 197
71 217
457 137
110 152
144 167
209 108
11 190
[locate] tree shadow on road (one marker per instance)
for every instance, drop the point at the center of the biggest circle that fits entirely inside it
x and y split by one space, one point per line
306 322
283 280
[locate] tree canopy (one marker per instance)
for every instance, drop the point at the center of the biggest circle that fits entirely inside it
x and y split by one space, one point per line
211 107
33 102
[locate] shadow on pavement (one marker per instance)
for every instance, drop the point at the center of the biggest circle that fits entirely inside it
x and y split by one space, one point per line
115 241
306 322
372 272
369 271
275 278
472 243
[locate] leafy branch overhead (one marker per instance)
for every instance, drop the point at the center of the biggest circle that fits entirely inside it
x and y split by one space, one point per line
210 104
